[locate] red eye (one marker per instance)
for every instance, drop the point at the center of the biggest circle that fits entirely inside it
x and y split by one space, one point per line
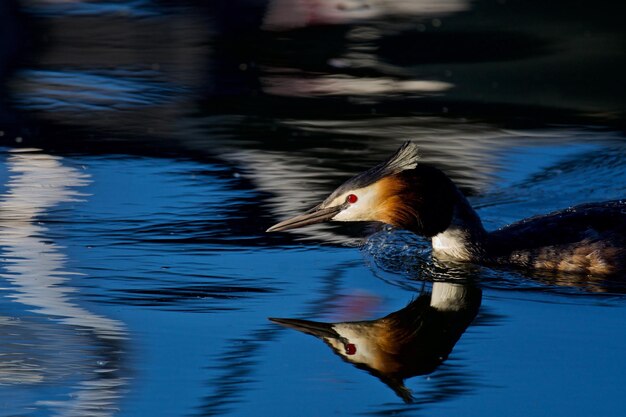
351 198
350 349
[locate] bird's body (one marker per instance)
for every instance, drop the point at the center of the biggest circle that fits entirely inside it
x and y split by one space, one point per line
586 239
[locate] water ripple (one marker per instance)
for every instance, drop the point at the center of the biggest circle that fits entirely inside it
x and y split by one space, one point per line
35 268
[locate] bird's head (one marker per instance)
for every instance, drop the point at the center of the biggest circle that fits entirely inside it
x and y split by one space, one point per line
396 192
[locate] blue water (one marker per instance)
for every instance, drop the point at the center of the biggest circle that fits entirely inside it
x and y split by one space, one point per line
146 146
133 279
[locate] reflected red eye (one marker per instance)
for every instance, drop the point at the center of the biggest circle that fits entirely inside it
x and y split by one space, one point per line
351 198
350 349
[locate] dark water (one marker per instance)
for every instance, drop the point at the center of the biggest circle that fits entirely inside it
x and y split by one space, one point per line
147 145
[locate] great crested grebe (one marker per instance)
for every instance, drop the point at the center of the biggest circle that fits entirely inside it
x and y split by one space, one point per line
585 239
412 341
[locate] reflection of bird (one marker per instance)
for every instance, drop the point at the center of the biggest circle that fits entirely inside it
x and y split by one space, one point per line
409 342
589 238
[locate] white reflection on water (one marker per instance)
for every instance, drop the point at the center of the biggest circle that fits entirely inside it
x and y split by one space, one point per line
304 86
44 350
287 175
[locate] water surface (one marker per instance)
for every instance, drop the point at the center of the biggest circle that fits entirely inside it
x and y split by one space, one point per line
148 145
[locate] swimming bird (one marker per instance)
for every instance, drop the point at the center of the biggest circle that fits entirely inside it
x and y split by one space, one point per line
412 341
586 239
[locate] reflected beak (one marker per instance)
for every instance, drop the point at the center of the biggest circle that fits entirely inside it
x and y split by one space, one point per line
313 216
309 327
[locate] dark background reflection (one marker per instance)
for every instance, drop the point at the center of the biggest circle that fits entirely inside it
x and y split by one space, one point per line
85 74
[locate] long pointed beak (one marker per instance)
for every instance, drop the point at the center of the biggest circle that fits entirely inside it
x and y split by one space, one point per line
309 327
313 216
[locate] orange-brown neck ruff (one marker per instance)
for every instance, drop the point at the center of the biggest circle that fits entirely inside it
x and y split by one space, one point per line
421 200
392 208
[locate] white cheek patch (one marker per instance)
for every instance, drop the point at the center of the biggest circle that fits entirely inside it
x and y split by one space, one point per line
364 349
361 210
